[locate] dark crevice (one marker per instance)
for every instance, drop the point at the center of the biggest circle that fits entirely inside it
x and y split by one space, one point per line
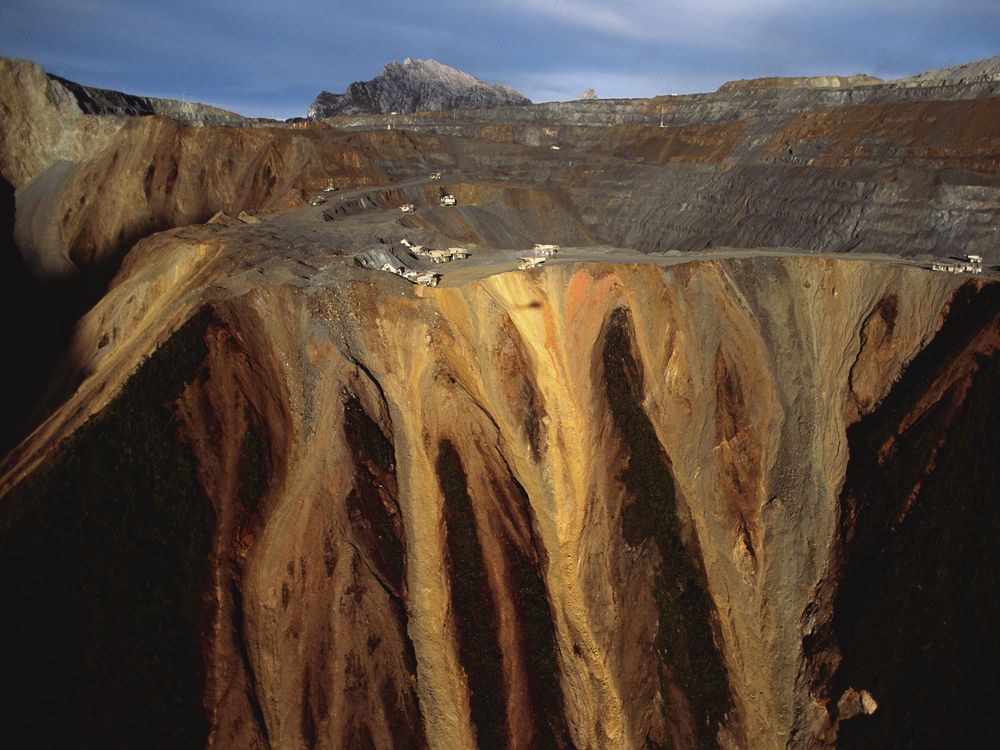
538 642
38 318
307 722
253 474
687 637
473 606
916 611
239 635
377 525
372 505
379 579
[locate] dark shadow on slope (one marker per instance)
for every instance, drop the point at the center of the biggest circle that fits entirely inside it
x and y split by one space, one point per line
377 526
103 566
473 606
917 611
686 639
37 320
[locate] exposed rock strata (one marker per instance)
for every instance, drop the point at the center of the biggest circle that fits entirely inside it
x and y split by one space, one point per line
42 123
95 101
282 501
636 474
877 166
779 82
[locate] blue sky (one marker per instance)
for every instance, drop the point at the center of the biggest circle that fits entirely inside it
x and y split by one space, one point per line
271 58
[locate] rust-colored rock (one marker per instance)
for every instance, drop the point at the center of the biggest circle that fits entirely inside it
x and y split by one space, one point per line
437 517
740 498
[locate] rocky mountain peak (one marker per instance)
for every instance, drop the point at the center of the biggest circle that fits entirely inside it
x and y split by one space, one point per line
415 86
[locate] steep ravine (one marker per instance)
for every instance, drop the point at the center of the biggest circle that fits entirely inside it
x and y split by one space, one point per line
916 608
587 506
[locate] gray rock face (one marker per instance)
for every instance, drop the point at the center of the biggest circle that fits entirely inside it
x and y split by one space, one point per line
822 169
987 69
95 101
415 86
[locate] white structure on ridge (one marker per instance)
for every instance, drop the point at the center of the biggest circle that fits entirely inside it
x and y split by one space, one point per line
971 264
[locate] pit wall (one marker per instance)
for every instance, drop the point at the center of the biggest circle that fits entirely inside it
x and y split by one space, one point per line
586 506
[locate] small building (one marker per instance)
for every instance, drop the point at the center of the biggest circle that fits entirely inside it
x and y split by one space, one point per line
530 261
407 208
448 200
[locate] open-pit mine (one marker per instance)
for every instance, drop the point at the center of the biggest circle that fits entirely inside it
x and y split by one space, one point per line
660 423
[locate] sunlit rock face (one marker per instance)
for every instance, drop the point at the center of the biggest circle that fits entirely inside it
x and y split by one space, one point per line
587 506
415 86
741 498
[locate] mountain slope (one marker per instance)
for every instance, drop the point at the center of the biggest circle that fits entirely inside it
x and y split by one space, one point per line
415 86
634 498
96 101
987 69
594 505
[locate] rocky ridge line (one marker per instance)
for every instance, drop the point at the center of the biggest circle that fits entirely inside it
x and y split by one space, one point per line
415 86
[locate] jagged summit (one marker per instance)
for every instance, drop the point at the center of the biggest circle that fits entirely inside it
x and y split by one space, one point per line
415 86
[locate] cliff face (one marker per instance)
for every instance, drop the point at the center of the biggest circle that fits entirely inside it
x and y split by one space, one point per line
42 123
900 168
156 173
892 167
590 506
415 86
635 499
95 101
